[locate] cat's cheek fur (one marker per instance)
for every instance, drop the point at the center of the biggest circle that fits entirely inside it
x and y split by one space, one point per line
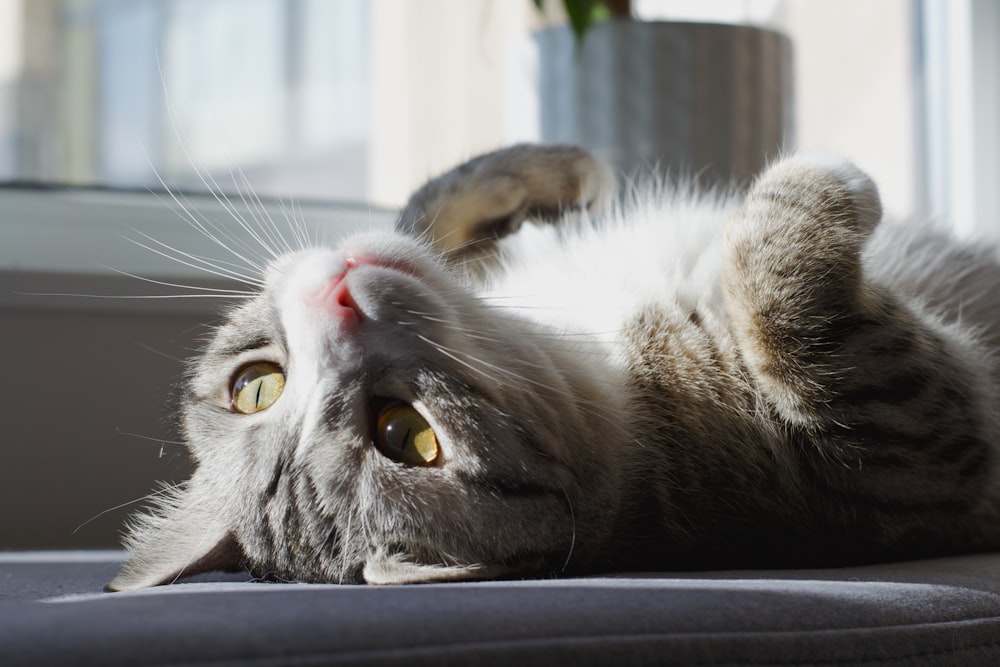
189 530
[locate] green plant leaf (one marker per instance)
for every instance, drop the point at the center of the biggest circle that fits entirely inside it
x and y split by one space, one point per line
581 16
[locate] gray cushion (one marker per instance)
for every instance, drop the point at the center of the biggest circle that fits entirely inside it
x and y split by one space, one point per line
935 612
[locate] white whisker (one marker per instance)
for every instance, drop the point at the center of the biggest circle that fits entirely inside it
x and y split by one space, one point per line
150 438
148 496
452 355
74 295
186 211
196 288
196 262
165 356
296 224
268 229
515 380
207 179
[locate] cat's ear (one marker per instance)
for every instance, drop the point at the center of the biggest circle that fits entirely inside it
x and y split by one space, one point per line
384 568
181 537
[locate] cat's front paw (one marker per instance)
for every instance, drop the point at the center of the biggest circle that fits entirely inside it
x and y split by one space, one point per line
831 188
463 212
805 222
793 277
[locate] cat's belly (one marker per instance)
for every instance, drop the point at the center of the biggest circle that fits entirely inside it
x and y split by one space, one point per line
593 281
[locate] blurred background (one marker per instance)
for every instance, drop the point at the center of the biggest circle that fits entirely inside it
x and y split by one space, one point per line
336 110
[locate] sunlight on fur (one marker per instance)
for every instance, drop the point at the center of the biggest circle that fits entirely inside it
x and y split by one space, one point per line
536 375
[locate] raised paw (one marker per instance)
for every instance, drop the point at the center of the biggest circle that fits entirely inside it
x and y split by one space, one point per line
804 223
829 188
793 277
466 210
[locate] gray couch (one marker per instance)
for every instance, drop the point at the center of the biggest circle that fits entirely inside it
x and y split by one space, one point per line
935 612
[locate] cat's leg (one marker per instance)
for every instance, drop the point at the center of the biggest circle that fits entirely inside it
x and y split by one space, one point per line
793 279
464 212
892 410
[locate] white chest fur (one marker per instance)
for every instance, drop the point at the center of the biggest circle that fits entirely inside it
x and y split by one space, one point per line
591 278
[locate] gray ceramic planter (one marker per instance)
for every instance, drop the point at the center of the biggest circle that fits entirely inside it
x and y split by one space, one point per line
710 99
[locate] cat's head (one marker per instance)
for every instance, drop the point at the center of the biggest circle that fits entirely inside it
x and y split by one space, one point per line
366 417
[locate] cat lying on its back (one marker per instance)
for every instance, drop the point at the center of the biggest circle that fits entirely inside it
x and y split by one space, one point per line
673 382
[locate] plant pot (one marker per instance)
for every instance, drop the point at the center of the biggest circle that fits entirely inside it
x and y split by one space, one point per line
710 100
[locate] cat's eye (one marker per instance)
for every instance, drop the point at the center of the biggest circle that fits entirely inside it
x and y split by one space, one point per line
257 387
403 435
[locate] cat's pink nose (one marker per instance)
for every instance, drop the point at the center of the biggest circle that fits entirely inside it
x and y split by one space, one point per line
335 297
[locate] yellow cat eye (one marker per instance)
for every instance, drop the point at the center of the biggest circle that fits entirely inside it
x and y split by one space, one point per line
257 387
403 435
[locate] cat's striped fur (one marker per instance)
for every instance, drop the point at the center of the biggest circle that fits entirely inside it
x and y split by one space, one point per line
674 381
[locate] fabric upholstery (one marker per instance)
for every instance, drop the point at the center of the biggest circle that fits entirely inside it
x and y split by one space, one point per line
934 612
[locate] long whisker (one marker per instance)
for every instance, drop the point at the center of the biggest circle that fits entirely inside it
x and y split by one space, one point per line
510 378
197 288
196 262
183 207
76 295
297 223
261 215
476 334
148 496
165 356
453 354
150 438
207 179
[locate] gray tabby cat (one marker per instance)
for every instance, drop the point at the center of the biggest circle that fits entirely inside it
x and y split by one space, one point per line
673 382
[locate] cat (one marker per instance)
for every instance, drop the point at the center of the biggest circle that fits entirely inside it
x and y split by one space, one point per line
534 376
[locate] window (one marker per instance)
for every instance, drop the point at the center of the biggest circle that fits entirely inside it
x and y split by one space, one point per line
147 89
960 78
361 100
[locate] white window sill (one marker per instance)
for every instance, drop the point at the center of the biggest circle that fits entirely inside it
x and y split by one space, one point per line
55 243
